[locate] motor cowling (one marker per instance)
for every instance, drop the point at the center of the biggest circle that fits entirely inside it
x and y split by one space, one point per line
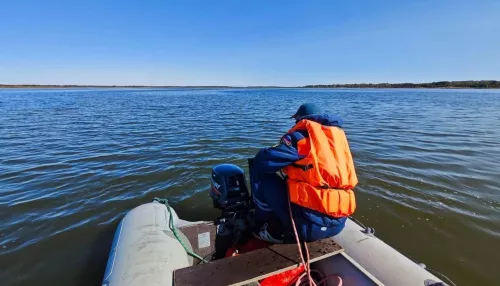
228 188
230 194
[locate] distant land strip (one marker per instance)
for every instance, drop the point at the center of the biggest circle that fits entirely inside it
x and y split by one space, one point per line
481 84
478 84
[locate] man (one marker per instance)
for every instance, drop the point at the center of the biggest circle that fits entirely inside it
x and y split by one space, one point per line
311 169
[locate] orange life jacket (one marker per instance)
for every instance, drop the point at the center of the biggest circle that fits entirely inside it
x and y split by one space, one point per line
323 180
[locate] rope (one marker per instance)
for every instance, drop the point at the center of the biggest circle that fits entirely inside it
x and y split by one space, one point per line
306 263
300 282
441 275
174 230
205 257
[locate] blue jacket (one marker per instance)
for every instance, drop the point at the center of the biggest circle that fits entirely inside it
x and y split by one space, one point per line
270 160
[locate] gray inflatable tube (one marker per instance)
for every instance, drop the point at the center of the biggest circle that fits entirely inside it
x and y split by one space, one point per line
145 253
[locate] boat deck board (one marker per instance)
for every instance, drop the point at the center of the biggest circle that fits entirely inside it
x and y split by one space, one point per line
253 266
202 238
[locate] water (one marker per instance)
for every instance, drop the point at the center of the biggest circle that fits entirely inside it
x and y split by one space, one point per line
73 162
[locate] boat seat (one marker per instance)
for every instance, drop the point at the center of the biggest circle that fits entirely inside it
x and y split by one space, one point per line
253 266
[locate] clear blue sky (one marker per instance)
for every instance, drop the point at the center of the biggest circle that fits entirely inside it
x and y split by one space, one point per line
238 42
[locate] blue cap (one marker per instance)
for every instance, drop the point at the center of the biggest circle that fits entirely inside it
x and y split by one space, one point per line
306 109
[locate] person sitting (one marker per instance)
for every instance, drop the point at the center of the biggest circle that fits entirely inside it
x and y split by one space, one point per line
310 173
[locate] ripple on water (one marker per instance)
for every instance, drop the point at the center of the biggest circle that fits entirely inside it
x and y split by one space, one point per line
73 162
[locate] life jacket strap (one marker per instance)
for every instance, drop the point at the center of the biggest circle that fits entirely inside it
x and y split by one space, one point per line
303 167
331 188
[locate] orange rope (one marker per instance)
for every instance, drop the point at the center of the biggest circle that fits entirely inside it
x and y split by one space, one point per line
306 263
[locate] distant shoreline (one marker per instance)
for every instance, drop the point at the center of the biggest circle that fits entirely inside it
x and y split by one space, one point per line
480 84
473 84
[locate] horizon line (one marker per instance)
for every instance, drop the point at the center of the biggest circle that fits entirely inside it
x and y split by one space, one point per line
462 83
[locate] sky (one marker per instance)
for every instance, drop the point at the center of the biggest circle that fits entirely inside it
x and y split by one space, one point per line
242 43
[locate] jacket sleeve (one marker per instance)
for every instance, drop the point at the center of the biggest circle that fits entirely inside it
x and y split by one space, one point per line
273 159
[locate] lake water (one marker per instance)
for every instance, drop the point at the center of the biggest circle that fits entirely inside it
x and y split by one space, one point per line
73 162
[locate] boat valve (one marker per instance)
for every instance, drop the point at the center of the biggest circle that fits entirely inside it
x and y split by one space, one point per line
369 231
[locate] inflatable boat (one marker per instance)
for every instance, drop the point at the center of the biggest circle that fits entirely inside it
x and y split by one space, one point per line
153 247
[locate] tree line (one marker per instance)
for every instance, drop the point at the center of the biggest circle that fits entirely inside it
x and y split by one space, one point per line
437 84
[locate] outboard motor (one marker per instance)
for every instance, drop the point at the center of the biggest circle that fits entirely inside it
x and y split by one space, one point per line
230 194
228 189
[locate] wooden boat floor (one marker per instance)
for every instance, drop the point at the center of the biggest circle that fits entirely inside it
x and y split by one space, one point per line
252 266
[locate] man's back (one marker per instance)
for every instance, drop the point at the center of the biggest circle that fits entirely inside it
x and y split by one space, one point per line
296 156
323 179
